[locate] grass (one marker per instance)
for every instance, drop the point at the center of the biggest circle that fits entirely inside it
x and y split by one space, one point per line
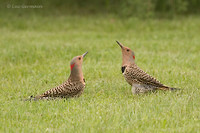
35 53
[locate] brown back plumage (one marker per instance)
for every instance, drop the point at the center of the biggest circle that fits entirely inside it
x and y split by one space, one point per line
133 74
67 89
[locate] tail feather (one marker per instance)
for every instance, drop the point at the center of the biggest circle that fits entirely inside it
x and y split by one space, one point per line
41 97
169 88
174 89
32 98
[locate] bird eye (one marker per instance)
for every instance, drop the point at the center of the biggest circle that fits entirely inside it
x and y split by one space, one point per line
79 58
127 50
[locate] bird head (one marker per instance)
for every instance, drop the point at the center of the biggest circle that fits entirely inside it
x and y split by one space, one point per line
77 61
76 66
128 56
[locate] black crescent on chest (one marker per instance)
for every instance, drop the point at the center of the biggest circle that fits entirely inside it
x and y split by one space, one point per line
123 68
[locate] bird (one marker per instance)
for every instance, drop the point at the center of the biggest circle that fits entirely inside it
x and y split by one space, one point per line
140 81
72 87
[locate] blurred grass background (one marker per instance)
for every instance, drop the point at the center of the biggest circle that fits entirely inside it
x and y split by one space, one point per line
122 8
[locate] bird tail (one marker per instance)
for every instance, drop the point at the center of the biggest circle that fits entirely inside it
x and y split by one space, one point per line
32 98
169 88
29 99
41 97
174 89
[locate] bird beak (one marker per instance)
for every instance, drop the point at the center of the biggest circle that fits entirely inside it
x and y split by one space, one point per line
120 44
84 54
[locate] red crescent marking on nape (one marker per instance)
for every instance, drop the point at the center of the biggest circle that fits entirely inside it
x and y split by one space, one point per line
72 66
133 57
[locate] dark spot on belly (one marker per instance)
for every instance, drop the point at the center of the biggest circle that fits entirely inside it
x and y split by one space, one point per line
123 68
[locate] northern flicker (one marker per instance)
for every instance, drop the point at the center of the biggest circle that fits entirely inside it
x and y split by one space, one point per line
73 87
139 80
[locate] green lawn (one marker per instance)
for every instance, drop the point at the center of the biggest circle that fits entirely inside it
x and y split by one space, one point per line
35 51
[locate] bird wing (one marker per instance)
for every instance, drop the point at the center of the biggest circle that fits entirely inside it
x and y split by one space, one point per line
67 89
142 77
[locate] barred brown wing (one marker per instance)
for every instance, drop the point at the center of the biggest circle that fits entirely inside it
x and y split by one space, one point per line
67 89
141 76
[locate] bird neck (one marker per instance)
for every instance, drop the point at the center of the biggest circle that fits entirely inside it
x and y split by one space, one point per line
126 60
76 74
